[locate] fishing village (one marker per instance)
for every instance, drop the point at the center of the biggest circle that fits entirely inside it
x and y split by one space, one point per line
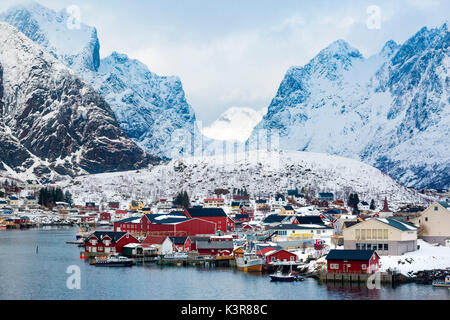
287 237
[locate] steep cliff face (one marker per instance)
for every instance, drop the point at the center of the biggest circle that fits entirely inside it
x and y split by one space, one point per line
149 108
52 119
390 110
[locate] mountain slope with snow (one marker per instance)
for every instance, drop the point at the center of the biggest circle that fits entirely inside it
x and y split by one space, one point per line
390 110
52 121
262 173
151 109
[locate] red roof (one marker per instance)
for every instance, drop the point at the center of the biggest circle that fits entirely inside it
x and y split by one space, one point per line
264 251
154 239
214 200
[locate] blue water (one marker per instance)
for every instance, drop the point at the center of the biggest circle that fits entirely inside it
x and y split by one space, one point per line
25 274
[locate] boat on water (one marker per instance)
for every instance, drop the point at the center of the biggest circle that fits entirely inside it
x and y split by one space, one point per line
289 277
445 283
114 260
250 262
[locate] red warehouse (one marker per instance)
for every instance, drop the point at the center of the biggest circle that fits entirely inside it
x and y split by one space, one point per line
353 261
108 242
165 224
215 215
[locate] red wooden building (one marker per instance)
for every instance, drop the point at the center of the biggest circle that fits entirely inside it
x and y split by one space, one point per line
353 261
215 215
105 216
166 225
108 242
181 244
280 256
215 247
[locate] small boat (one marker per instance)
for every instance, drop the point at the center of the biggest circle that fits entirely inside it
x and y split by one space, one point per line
279 276
114 260
250 262
445 283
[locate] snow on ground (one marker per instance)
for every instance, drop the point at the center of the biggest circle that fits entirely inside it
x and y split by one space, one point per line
262 173
428 257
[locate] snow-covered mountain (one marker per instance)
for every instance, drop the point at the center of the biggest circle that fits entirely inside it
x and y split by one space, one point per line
391 110
234 124
52 122
58 33
263 173
151 109
148 107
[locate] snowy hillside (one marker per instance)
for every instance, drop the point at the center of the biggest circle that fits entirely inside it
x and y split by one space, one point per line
263 174
391 110
53 122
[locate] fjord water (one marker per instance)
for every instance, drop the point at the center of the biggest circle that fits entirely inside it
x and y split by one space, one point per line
27 273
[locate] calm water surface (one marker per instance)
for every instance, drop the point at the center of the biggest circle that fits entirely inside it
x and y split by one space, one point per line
25 274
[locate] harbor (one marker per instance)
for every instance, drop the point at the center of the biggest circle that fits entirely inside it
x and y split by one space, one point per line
42 275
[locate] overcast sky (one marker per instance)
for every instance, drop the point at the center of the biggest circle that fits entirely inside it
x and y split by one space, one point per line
235 53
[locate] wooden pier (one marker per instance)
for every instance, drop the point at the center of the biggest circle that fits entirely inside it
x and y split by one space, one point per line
354 277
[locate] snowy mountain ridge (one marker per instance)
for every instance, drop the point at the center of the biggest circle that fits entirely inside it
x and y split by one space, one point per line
391 110
151 109
53 123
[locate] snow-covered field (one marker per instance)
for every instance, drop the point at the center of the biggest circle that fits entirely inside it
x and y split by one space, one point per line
262 173
428 257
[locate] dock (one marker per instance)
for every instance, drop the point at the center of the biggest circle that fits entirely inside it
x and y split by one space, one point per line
354 277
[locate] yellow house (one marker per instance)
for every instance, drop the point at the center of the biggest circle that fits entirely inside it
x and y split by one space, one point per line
13 201
387 236
434 224
287 211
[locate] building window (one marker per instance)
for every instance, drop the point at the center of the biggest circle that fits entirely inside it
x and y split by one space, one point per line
363 246
385 234
436 208
363 234
369 234
426 219
380 246
364 267
386 247
358 234
358 247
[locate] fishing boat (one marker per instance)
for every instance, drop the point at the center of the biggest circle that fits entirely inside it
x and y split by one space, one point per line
250 262
279 276
445 283
114 260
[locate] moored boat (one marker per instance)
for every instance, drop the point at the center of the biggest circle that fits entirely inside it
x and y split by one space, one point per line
249 262
113 261
445 283
289 277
